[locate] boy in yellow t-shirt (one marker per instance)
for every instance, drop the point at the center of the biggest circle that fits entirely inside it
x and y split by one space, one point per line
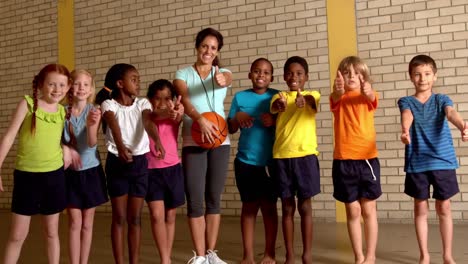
296 167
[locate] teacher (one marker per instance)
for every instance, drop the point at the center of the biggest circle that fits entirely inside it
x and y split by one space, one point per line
203 88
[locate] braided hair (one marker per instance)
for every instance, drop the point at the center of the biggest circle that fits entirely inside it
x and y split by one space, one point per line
38 83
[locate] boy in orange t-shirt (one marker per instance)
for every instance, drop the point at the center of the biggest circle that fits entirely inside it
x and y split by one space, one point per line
356 168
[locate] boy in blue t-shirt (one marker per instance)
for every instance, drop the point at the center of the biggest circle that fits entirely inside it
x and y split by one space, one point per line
429 154
250 111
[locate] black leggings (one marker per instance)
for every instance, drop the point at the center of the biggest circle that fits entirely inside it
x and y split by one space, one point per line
205 173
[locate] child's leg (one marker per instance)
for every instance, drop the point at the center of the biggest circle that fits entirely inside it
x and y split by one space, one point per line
87 234
248 217
353 221
305 211
288 208
421 209
371 228
270 223
119 216
74 234
158 228
443 208
170 228
135 205
19 229
50 224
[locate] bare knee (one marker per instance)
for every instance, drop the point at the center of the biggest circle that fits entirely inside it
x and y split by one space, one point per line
443 208
134 220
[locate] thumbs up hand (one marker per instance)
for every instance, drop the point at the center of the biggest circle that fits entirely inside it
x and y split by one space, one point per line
300 100
366 88
465 132
338 87
280 103
220 79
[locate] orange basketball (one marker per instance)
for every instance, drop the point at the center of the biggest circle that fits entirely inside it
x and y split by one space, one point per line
221 132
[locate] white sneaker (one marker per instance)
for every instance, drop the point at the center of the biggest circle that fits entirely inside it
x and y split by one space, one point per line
198 259
213 258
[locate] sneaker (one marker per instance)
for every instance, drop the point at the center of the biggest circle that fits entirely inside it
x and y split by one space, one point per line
198 259
213 258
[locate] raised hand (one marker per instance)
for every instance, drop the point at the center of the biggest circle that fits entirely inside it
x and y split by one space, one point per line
171 110
300 100
93 117
244 119
178 107
281 103
338 87
465 132
366 88
220 79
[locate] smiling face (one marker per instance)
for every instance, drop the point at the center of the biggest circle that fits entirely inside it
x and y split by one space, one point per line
423 77
261 74
161 98
295 76
55 87
207 50
82 87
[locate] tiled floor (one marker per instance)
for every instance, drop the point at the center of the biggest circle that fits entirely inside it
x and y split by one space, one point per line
397 242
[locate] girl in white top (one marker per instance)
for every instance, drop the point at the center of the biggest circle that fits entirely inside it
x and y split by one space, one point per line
128 122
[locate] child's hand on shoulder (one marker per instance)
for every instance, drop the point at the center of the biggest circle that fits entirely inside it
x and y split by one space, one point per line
465 132
244 119
300 101
267 119
281 103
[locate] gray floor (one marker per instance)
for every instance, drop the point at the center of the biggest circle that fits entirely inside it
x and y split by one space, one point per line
397 242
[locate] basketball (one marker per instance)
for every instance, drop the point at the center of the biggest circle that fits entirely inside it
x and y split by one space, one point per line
221 132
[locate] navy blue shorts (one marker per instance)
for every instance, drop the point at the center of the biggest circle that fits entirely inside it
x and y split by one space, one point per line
87 188
166 184
127 178
356 179
254 183
444 183
297 176
39 192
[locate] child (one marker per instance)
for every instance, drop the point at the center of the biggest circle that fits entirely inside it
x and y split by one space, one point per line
128 122
39 181
295 153
250 112
166 179
356 168
429 154
86 185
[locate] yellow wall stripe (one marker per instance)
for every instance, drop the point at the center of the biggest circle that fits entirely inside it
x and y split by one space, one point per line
66 33
342 42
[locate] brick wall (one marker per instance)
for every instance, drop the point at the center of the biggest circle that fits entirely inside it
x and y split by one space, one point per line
158 38
28 41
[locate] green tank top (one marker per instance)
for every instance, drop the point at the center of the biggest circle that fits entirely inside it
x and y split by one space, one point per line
42 151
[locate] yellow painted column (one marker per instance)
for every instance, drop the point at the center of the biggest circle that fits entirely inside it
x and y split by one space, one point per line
342 42
66 33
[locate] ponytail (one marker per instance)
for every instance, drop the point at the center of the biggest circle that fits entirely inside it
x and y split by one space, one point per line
72 141
33 119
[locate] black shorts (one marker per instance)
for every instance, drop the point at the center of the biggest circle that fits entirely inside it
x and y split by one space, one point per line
166 184
356 179
444 183
127 178
254 182
87 188
39 192
297 176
